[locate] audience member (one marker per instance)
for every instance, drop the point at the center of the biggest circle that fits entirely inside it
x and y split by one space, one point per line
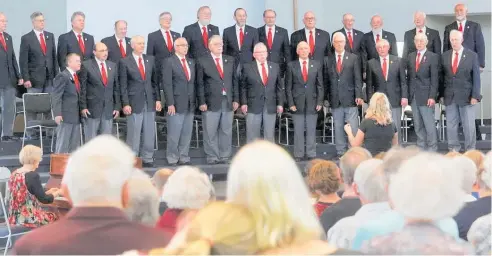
142 198
26 192
324 181
377 132
466 172
369 185
265 178
350 202
479 235
187 188
159 179
380 155
476 209
476 156
94 183
423 194
452 154
305 174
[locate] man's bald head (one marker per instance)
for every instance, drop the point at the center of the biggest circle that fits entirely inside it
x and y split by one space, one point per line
101 51
309 20
160 178
181 46
350 161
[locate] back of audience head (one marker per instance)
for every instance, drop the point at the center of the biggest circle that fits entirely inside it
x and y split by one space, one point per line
188 188
421 189
395 157
484 176
476 156
97 172
466 171
160 178
350 161
264 176
324 178
380 155
142 198
369 182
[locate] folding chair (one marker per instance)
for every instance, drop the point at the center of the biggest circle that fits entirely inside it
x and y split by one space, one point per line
239 117
38 103
286 117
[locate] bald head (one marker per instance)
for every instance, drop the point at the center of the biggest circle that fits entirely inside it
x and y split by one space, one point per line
181 46
138 45
309 20
460 11
376 23
120 29
101 51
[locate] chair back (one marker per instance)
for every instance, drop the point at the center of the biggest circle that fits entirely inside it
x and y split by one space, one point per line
36 103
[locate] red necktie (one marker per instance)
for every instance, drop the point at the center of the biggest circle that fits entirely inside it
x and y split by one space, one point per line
377 38
104 75
2 41
241 37
339 64
42 42
122 49
385 66
417 62
304 71
77 82
421 31
169 41
185 68
141 68
269 38
350 39
460 28
219 68
264 74
205 36
455 62
81 44
311 42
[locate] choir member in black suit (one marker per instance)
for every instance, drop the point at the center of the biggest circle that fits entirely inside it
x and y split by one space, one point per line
240 39
276 39
433 38
198 33
75 41
119 45
318 40
352 35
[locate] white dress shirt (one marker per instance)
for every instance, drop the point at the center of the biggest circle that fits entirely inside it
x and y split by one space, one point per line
71 72
105 66
424 29
463 23
267 28
123 42
460 52
37 35
260 69
164 34
136 60
375 35
237 35
220 61
201 28
186 63
421 55
341 58
306 30
307 64
387 64
77 36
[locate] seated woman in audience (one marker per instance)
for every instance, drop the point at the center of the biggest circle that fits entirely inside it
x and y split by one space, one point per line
377 132
187 188
423 193
27 193
264 178
324 180
466 171
142 199
479 235
159 180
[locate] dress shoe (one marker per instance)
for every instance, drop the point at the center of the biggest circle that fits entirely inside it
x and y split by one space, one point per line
148 165
184 163
225 161
7 138
213 162
297 159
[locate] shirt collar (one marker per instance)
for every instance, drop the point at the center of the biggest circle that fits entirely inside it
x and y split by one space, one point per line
460 51
343 53
259 64
238 27
164 31
422 52
423 29
215 57
77 34
71 71
301 61
381 58
37 32
99 61
201 26
180 57
267 28
136 56
373 207
462 22
351 31
118 39
307 30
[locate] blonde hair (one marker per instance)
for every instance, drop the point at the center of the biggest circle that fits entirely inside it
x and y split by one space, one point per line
30 154
324 177
219 228
379 109
476 156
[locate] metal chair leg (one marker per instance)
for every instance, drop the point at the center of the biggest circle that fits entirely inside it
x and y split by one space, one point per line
41 139
52 139
237 132
117 130
81 135
323 137
287 130
196 133
332 131
24 136
279 129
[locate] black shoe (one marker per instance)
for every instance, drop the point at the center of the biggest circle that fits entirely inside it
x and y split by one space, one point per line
184 163
7 138
213 162
148 165
309 158
297 159
225 161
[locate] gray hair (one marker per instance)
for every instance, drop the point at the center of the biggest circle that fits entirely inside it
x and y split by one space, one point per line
134 39
118 21
258 45
395 157
370 181
75 14
339 34
419 36
201 9
269 10
383 42
420 13
214 37
350 161
165 13
455 32
34 15
143 199
466 170
188 188
485 177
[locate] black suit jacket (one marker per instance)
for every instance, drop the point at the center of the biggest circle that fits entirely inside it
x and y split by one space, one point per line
9 70
35 66
304 95
255 94
193 35
459 88
114 53
423 83
178 90
322 45
344 87
395 87
99 99
68 43
357 36
210 85
136 92
433 38
280 51
65 98
368 47
157 47
231 45
472 39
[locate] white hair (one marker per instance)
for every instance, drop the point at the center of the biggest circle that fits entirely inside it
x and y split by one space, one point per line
258 45
339 34
370 181
420 13
421 189
97 171
486 176
188 188
143 199
263 176
466 171
383 42
419 36
455 33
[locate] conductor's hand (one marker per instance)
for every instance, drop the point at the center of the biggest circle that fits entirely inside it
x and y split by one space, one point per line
127 110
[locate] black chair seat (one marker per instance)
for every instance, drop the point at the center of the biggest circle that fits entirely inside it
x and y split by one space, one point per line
408 113
120 120
286 115
198 118
17 229
160 119
239 116
45 123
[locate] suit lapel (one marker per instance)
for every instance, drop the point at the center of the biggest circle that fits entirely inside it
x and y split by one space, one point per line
298 68
462 59
234 38
379 68
97 70
36 41
311 71
147 67
213 66
275 37
257 72
179 65
226 67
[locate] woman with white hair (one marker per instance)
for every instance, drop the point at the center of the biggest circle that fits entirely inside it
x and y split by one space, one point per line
143 199
264 177
422 192
188 188
377 132
466 171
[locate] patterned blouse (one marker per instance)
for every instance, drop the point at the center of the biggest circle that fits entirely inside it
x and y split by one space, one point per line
418 239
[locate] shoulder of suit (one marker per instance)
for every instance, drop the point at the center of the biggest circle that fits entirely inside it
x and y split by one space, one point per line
87 35
149 57
154 33
6 34
272 64
321 31
389 33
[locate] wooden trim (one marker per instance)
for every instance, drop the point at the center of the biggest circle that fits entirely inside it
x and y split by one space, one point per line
294 3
